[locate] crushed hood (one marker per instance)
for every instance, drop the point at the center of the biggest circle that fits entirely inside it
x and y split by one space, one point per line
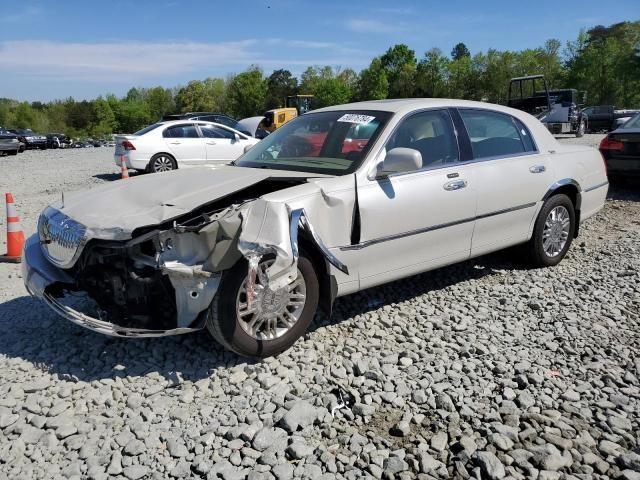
114 210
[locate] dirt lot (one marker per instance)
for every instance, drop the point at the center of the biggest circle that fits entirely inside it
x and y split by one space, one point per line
484 369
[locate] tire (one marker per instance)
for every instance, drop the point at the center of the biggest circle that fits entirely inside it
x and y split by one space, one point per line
13 152
545 255
162 162
581 129
225 325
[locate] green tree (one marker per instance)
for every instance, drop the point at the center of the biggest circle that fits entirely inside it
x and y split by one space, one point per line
280 84
160 101
460 51
399 63
332 91
431 74
373 83
246 93
23 116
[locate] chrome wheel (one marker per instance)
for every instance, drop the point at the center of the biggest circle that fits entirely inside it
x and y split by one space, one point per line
556 231
162 163
270 314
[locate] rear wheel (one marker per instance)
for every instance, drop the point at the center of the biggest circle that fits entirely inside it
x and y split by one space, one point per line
273 320
553 232
162 162
581 129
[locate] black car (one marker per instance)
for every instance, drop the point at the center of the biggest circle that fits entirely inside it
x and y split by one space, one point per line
30 138
216 117
56 140
621 149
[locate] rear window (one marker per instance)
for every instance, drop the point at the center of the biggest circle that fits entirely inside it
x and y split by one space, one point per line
181 131
494 134
147 129
633 123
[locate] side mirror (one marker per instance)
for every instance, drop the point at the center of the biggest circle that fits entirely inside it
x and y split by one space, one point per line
400 160
236 137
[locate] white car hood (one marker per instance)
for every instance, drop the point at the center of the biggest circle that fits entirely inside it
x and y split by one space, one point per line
113 211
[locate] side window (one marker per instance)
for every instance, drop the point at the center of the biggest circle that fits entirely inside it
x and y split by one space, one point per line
492 134
525 135
431 133
210 131
181 131
229 122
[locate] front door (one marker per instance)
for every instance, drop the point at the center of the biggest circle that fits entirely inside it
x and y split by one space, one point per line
221 144
414 221
185 144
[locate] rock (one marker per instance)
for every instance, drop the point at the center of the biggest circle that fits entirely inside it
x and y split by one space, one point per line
571 396
363 410
401 429
177 448
490 465
134 447
301 414
439 441
629 460
115 466
393 465
283 471
134 472
299 450
270 437
36 385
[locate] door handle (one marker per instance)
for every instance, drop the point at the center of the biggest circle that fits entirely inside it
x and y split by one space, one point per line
211 143
537 168
175 143
455 185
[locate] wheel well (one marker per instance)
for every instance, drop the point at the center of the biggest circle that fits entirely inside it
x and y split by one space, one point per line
320 265
573 193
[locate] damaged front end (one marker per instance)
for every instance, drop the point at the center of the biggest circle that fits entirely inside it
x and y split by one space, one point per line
162 279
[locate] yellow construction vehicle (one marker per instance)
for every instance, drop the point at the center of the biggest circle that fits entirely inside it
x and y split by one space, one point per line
296 105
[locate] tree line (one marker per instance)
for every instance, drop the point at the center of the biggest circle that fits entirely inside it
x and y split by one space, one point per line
603 61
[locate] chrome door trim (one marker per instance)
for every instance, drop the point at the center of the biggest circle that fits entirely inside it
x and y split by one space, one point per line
595 187
397 236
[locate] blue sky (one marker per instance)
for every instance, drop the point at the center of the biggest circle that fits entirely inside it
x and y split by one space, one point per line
52 50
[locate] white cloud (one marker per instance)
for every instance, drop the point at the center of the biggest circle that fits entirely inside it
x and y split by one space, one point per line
129 61
361 25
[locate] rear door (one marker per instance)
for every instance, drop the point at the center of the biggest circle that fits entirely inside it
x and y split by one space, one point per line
511 178
600 118
184 142
221 144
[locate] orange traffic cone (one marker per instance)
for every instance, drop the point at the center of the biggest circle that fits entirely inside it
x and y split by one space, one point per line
123 168
15 235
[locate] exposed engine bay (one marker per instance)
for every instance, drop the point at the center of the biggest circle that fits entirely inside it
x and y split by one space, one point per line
133 283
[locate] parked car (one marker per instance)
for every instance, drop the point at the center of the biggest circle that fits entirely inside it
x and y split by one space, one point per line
606 117
30 138
56 140
215 117
621 149
9 143
170 145
251 250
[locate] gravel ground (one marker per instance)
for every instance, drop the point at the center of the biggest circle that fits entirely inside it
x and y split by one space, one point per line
483 370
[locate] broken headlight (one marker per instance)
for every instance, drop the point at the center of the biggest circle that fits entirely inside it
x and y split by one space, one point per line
61 237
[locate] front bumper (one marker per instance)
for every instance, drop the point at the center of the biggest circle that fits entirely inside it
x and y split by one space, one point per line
39 275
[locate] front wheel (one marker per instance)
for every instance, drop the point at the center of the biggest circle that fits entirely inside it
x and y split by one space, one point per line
553 232
273 320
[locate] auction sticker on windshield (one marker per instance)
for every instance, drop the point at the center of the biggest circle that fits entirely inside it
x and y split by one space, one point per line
354 118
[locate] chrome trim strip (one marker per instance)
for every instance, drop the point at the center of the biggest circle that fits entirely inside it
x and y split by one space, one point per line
299 217
604 184
397 236
108 328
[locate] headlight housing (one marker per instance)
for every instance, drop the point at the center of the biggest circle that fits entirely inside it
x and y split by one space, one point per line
61 237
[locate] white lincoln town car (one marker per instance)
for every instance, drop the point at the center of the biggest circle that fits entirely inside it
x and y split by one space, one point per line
336 201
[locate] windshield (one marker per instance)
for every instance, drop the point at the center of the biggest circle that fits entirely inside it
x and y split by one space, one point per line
147 129
332 143
633 122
